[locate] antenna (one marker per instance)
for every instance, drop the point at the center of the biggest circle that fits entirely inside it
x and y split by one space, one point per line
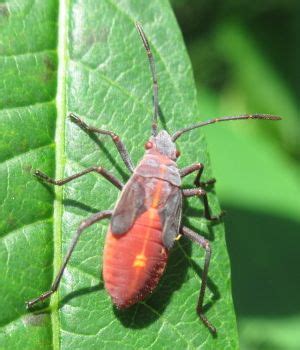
223 119
154 78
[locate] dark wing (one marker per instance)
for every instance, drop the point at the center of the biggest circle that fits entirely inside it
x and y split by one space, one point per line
171 217
129 206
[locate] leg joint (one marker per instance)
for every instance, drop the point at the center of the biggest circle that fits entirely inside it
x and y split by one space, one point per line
201 192
207 246
82 226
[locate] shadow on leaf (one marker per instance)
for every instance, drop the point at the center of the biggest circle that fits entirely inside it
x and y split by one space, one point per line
80 292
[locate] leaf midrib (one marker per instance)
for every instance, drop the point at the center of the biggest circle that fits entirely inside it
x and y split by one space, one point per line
61 103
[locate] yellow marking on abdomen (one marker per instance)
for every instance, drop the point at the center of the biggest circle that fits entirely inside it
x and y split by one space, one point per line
140 261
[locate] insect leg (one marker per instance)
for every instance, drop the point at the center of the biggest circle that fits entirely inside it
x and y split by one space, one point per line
199 192
196 167
116 139
110 177
200 240
85 224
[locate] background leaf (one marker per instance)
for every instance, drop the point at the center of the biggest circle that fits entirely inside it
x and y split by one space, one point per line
244 61
98 69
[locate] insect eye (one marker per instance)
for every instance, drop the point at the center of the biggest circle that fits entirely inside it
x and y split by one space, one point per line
148 145
177 153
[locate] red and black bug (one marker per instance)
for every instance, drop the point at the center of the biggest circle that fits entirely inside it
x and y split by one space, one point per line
147 216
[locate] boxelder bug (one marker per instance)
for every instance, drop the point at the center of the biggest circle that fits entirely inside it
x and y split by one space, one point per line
147 217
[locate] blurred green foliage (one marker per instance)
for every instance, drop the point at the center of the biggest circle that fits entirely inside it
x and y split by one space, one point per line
245 58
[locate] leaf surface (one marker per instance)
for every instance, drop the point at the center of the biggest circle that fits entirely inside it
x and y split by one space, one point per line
98 69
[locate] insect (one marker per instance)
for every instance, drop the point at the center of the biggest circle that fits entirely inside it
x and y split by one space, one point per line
146 219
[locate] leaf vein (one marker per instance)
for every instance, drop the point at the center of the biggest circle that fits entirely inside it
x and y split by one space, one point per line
15 230
154 48
26 153
26 105
33 53
169 323
115 84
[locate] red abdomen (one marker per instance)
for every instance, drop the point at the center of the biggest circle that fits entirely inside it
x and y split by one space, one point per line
134 262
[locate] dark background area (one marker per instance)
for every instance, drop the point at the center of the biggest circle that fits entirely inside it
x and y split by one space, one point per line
245 57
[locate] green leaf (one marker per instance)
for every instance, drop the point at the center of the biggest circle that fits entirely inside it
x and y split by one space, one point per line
98 69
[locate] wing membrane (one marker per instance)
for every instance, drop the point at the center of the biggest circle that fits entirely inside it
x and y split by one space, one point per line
129 206
171 217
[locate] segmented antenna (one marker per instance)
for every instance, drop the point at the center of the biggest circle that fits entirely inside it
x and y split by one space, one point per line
154 78
223 119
